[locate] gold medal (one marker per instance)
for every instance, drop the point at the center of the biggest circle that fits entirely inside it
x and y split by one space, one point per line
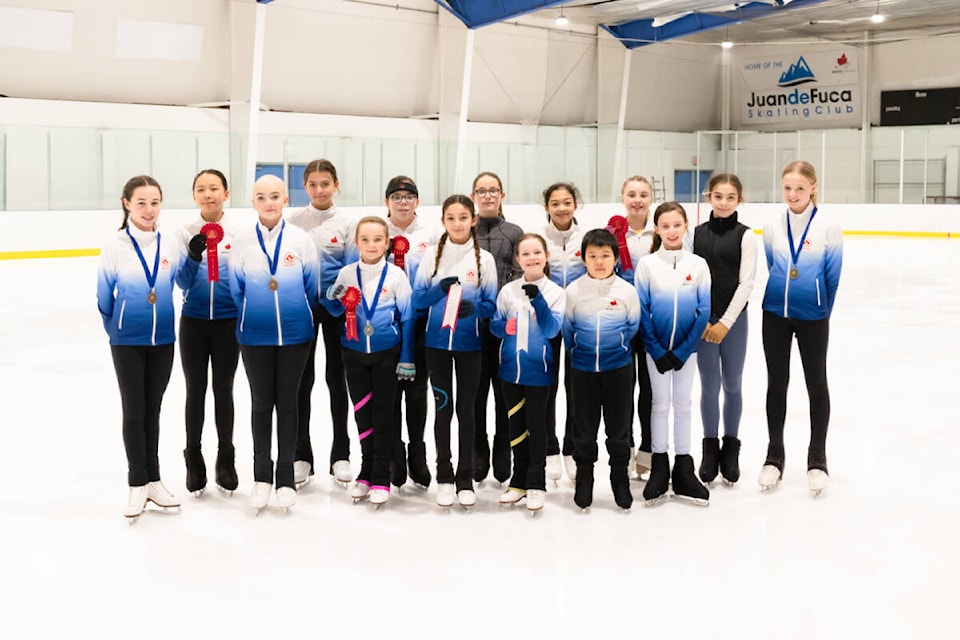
273 284
794 273
368 330
152 297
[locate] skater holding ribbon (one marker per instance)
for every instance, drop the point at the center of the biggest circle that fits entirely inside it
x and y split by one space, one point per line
457 285
374 297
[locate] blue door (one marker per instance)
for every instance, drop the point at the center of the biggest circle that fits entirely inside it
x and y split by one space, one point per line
685 185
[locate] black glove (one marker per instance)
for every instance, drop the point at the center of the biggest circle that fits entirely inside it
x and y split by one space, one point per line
466 309
531 290
198 244
446 283
664 363
677 362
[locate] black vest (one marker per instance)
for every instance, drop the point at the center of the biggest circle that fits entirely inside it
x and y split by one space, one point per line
718 242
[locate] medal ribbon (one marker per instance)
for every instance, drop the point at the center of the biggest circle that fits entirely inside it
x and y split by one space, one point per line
618 225
400 247
795 253
369 311
214 234
351 298
151 277
276 250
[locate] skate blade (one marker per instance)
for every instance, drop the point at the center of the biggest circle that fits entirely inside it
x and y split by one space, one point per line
770 488
223 489
198 493
728 483
172 510
302 484
624 510
697 502
132 520
816 492
359 500
258 510
653 502
534 513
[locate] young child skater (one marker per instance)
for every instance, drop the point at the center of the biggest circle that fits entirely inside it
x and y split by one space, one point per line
730 250
636 194
804 253
274 284
601 316
499 237
208 322
563 236
411 236
135 298
375 298
529 314
457 285
332 233
674 289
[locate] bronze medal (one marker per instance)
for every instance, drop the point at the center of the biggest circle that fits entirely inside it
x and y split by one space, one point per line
152 297
368 330
273 284
794 273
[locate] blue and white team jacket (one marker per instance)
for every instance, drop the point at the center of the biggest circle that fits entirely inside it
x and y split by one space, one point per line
281 317
674 290
638 243
811 295
479 289
333 235
201 298
566 263
599 321
534 366
122 288
394 317
421 236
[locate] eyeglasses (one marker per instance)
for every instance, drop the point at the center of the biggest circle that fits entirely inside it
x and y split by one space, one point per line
483 193
397 198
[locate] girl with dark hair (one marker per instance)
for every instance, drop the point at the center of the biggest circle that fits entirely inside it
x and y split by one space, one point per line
410 237
332 233
456 285
208 322
135 298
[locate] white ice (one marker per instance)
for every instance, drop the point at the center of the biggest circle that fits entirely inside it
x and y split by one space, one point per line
875 556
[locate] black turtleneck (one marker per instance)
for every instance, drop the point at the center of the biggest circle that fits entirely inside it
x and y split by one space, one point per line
718 242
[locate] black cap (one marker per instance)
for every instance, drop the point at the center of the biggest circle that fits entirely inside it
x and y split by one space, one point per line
393 187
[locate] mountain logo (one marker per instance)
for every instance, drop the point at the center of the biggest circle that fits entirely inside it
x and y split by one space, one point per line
798 73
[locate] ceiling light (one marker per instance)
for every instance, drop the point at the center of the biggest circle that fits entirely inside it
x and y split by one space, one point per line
726 44
878 17
562 20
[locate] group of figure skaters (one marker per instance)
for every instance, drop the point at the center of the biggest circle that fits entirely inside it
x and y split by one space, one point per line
400 302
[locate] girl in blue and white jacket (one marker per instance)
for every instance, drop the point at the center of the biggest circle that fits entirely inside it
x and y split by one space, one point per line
377 345
529 314
208 323
135 298
460 268
274 279
674 289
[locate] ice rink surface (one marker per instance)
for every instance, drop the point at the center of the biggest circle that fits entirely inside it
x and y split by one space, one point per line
875 556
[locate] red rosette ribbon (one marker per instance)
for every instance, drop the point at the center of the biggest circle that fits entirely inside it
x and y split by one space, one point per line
351 298
619 226
400 247
214 234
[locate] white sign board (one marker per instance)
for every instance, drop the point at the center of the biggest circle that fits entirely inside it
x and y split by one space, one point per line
801 91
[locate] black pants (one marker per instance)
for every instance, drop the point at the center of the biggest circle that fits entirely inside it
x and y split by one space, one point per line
372 380
812 337
210 343
489 365
527 413
609 393
331 328
274 374
143 374
644 396
414 391
441 363
553 443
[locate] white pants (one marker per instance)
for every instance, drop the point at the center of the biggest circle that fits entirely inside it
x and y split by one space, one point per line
672 387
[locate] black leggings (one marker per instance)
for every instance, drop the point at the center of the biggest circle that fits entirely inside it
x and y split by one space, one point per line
812 337
274 374
372 380
441 362
143 374
553 443
206 343
609 393
331 327
644 396
489 365
414 391
527 409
